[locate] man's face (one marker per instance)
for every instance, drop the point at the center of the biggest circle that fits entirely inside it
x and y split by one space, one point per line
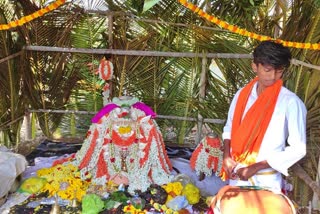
267 74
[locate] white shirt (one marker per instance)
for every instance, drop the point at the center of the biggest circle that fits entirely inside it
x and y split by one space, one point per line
287 125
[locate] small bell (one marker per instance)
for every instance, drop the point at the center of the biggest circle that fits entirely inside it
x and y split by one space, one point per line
55 208
74 202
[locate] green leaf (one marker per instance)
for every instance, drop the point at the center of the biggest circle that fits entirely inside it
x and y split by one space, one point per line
92 204
110 204
148 4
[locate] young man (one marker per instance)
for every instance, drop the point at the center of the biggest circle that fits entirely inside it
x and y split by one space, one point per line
265 132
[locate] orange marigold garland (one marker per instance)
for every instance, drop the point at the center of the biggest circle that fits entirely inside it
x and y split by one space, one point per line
32 16
243 32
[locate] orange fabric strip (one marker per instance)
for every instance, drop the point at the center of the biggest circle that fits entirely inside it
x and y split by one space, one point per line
247 133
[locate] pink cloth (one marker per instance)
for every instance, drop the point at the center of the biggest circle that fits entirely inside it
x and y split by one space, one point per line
146 109
109 107
105 110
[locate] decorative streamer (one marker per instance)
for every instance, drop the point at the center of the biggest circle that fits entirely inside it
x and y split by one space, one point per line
33 16
243 32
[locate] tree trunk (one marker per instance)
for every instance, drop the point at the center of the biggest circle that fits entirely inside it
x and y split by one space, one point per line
299 171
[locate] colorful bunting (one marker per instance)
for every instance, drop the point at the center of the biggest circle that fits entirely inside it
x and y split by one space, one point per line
243 32
33 16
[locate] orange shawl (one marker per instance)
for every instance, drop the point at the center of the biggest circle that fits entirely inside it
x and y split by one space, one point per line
247 133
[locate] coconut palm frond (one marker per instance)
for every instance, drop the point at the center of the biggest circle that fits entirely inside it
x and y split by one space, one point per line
48 84
12 101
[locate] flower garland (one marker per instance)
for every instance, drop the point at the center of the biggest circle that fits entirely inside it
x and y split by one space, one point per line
243 32
33 16
207 157
131 159
105 69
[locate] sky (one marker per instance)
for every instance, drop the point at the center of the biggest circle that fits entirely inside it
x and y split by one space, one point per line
92 4
86 4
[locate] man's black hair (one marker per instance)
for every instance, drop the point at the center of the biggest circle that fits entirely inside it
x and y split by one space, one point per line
107 56
272 53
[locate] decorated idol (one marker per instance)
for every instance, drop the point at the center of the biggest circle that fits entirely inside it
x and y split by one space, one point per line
207 157
124 144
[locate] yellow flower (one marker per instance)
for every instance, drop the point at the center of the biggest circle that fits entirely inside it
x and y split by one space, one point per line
124 129
168 188
64 180
128 209
175 187
192 193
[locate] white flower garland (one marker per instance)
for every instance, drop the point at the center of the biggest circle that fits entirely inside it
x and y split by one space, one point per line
137 174
201 165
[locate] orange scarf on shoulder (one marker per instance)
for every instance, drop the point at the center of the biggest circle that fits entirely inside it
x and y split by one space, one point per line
247 133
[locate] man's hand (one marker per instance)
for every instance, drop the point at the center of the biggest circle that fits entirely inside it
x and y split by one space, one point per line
245 173
228 165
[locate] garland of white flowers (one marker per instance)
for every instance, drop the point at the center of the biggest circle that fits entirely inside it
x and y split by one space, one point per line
201 165
137 174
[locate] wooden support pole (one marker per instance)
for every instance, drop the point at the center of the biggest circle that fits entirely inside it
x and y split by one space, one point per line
205 120
202 95
28 126
136 52
153 53
110 31
11 56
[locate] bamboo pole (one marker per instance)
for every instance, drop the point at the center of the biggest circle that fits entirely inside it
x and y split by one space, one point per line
205 120
110 31
62 111
298 62
133 17
202 95
10 57
136 52
28 129
9 123
153 53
